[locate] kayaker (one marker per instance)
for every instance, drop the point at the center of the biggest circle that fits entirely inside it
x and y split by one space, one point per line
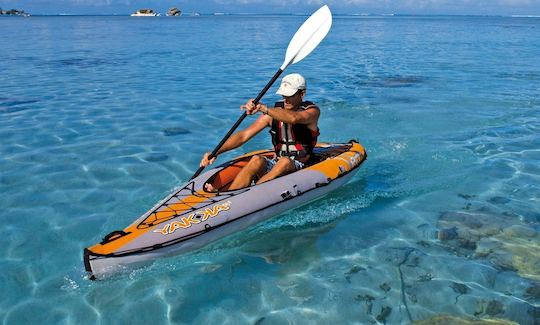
294 132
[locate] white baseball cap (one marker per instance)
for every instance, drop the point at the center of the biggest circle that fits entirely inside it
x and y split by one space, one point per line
290 84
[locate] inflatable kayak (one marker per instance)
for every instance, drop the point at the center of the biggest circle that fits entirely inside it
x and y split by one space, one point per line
191 217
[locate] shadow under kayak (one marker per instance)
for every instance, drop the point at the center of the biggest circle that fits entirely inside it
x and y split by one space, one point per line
191 217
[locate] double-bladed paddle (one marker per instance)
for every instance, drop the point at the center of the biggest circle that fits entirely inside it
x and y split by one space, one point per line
306 39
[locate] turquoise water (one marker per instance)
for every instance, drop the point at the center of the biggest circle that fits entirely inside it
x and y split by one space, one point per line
101 117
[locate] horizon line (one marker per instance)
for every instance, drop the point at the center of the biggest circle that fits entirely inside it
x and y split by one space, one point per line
188 14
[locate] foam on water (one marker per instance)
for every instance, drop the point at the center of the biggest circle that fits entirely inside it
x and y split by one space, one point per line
101 117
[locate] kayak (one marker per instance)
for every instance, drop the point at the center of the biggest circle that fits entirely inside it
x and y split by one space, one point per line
191 217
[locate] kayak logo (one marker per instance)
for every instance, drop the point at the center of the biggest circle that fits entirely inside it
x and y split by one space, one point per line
355 160
194 218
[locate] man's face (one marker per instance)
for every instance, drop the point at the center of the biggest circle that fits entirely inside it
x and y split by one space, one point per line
294 101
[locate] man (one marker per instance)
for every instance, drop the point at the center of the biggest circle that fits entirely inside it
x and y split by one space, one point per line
294 131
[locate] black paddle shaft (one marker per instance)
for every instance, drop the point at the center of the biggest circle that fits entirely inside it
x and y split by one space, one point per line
235 126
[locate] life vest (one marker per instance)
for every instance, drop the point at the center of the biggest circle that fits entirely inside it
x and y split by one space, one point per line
293 140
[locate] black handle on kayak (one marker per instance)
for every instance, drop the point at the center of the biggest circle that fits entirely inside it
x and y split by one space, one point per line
233 128
114 236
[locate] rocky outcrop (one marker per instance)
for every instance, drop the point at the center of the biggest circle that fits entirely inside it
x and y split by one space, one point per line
503 240
453 320
174 12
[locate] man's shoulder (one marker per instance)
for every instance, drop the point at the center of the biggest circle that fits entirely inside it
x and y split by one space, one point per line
308 104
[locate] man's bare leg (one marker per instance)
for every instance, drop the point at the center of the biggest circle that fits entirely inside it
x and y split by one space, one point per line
283 166
254 168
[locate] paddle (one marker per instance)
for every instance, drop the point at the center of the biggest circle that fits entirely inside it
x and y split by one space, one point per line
306 39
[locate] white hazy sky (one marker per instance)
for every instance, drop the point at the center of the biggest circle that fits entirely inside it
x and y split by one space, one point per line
473 7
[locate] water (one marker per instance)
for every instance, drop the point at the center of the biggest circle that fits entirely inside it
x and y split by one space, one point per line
100 117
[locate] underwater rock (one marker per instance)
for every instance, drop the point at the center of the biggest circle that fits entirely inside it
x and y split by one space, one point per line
473 221
364 298
454 320
424 243
510 214
491 308
385 287
507 245
534 312
525 255
527 263
491 230
533 291
385 312
486 246
502 260
466 196
355 269
519 231
368 301
259 321
172 131
412 297
494 307
467 244
498 200
447 234
459 288
425 277
156 157
398 255
413 261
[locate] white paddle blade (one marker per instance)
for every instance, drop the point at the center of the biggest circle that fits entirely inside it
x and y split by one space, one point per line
308 36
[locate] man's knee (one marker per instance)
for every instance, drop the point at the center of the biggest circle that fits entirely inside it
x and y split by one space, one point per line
284 164
256 163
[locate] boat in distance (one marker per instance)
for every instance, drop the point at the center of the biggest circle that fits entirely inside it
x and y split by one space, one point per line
144 13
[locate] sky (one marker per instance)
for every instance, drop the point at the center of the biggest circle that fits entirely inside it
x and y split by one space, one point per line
451 7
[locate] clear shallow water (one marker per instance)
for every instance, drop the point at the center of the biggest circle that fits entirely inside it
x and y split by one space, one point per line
100 117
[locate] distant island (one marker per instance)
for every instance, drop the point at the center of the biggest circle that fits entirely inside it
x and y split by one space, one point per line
14 12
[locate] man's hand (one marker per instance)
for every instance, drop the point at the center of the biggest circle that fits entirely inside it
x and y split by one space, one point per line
205 161
252 109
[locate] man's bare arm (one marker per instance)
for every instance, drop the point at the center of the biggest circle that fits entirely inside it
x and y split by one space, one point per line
307 116
239 138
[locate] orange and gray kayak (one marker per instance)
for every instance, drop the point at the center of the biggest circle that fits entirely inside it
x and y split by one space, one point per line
191 217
